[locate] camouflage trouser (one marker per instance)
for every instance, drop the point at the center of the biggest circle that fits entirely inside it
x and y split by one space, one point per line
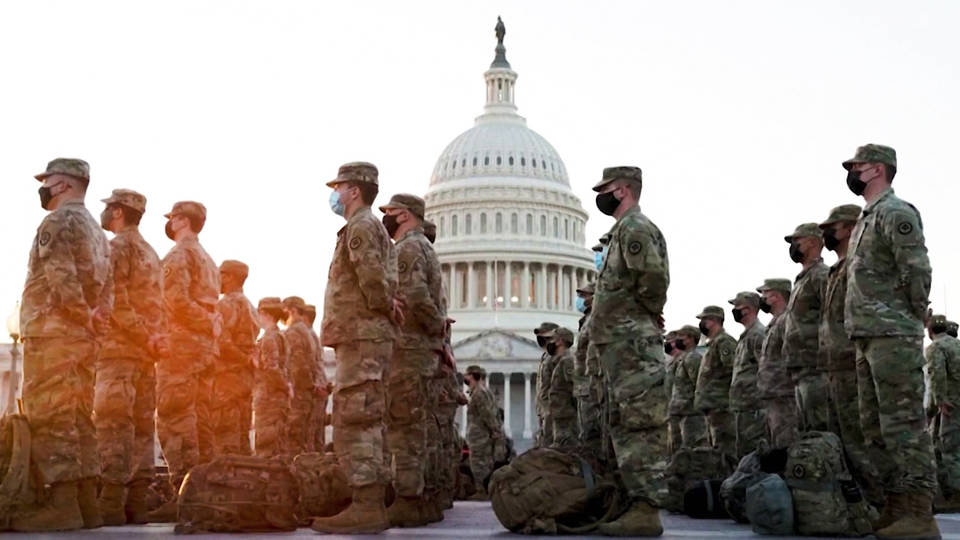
232 395
481 454
721 431
544 433
449 461
178 398
751 428
947 445
58 378
782 420
589 414
633 371
318 418
693 431
432 480
674 435
565 431
124 404
271 403
407 419
206 440
890 382
846 419
359 410
813 401
300 435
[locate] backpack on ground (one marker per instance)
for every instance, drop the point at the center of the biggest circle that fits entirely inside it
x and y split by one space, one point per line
547 491
753 468
702 501
769 506
17 485
690 467
323 485
238 494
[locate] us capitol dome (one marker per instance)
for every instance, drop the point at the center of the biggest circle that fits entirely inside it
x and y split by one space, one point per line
510 239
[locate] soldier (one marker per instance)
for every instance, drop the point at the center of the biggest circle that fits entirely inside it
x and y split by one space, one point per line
484 429
838 356
802 326
673 364
233 384
750 424
126 397
191 287
773 382
712 396
272 391
301 368
430 230
361 312
415 362
448 395
67 300
544 373
943 362
693 425
626 328
888 283
322 386
585 388
952 328
562 403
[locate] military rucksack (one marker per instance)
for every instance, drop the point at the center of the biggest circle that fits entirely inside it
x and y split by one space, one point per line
238 494
753 468
689 467
769 506
17 485
702 501
323 485
547 491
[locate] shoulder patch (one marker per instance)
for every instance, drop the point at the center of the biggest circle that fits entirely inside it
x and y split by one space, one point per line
402 267
634 247
44 238
905 227
355 242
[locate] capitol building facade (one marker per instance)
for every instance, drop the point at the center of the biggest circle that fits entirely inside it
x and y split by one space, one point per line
510 239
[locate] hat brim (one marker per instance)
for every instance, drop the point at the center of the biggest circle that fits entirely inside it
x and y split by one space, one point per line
851 162
602 183
335 181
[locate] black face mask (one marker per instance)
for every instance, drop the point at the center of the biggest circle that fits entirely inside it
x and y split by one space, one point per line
45 196
737 315
169 230
765 306
541 341
680 345
795 254
854 183
703 328
830 240
668 347
390 223
551 348
952 332
105 218
607 203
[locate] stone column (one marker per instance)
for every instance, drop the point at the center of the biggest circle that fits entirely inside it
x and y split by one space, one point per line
506 404
455 286
491 293
463 422
527 432
525 286
507 284
471 286
542 287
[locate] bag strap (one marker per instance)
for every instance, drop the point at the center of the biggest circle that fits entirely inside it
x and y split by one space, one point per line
588 477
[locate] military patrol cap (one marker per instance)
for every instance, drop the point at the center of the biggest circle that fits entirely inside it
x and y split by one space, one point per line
689 331
776 284
406 201
430 230
270 304
712 311
310 311
746 297
598 248
76 168
129 198
937 320
804 230
622 172
476 370
952 328
545 327
188 208
356 171
842 213
873 153
294 302
234 268
587 289
565 334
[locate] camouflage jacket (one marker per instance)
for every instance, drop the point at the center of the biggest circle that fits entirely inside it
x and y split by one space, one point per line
320 381
837 350
888 271
943 370
421 287
238 338
744 395
563 404
137 297
772 377
483 417
685 384
716 370
302 356
632 286
581 381
68 277
801 330
544 375
272 378
361 283
191 289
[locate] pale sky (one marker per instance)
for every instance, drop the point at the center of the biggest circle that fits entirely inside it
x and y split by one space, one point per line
739 114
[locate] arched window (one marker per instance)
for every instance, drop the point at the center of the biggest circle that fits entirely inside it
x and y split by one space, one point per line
468 224
530 224
441 230
566 228
474 161
499 161
514 225
486 160
556 226
543 225
483 223
499 224
523 162
510 160
453 225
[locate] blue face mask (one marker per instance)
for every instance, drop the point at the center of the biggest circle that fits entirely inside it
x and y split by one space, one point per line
598 259
581 304
335 203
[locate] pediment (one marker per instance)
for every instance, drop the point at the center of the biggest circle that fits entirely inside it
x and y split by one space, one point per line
496 344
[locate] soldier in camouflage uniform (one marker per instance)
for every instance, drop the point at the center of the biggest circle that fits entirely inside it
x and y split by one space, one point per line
301 368
414 364
801 342
943 368
126 397
773 381
544 374
585 387
191 287
952 328
67 299
361 312
712 396
627 331
749 420
484 429
673 364
322 386
838 356
693 425
272 391
233 385
562 403
888 283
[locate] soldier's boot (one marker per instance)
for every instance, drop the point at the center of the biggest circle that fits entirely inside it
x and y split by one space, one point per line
135 508
479 495
406 512
365 515
895 507
165 513
60 512
430 505
916 523
445 499
111 504
640 520
87 499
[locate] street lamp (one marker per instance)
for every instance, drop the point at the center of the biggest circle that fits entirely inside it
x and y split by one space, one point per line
13 328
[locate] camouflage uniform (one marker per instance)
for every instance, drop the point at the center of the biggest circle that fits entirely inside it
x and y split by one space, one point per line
191 287
586 389
125 400
943 365
672 358
484 430
301 368
321 388
749 419
562 403
693 425
234 378
712 396
773 382
630 294
447 393
544 373
271 394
